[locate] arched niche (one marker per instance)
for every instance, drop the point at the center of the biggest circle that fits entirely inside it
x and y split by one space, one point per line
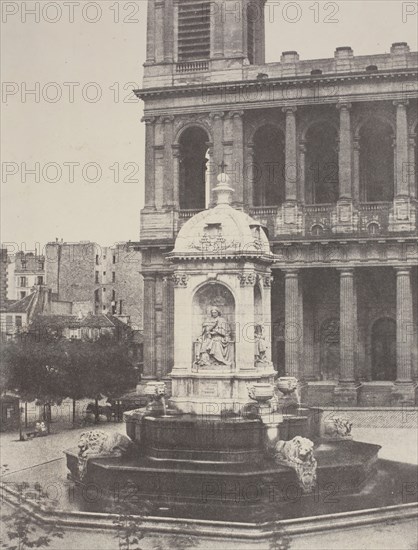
210 295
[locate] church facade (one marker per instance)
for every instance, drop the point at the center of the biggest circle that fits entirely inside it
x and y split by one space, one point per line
321 153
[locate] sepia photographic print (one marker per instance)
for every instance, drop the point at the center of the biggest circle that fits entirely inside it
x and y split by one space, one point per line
209 275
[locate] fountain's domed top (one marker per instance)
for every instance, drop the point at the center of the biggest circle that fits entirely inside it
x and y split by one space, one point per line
222 230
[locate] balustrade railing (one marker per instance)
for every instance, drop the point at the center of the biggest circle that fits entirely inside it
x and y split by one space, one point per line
263 210
189 213
192 66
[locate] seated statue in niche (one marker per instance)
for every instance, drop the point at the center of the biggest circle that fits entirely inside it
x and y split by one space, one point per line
214 346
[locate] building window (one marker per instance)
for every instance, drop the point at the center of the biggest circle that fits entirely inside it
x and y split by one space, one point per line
97 259
113 277
41 265
113 295
120 307
104 273
74 333
114 259
40 280
22 281
193 159
18 321
24 264
96 277
193 30
9 323
104 289
22 295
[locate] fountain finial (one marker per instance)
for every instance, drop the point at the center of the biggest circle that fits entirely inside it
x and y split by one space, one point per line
223 191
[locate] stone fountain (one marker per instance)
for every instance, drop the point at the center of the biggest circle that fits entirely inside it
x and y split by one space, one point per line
225 427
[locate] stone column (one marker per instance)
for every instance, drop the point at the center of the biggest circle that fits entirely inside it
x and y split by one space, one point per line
291 154
168 196
403 324
217 129
404 388
175 152
168 31
151 32
347 389
237 168
402 183
149 162
217 30
293 329
249 175
412 165
356 170
149 327
159 31
344 156
302 162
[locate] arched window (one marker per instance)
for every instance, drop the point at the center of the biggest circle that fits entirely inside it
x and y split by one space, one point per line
321 168
384 349
192 176
376 161
268 167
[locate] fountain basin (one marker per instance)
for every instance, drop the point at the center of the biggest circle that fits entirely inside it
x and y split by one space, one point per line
207 439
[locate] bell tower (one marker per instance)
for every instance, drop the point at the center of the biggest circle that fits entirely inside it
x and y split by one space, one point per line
191 31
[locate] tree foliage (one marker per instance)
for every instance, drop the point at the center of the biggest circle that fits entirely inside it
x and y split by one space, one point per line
50 370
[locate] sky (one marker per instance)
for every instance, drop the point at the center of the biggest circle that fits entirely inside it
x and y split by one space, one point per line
73 149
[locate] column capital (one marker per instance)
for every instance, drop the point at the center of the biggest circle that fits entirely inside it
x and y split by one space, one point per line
344 106
346 271
400 102
148 119
291 273
167 119
235 114
289 110
217 115
403 270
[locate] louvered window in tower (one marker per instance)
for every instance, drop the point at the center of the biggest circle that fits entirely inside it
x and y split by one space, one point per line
193 30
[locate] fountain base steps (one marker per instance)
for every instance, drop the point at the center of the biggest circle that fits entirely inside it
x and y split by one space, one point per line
343 469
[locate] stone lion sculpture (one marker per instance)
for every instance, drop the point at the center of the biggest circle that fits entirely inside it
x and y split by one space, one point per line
338 427
298 454
97 443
